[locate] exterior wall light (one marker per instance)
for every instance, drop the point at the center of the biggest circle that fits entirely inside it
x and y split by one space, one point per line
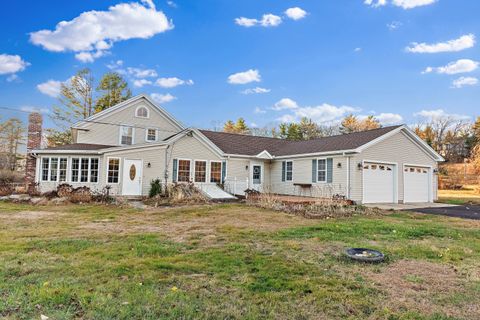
149 165
360 166
339 165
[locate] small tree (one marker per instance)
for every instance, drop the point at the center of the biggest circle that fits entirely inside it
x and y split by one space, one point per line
155 188
58 138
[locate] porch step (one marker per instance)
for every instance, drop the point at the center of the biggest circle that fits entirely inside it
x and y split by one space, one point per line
214 192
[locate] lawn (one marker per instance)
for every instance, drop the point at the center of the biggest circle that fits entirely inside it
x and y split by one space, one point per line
469 194
232 262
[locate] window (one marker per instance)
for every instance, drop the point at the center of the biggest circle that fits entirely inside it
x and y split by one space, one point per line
85 170
62 175
142 112
151 135
215 172
94 170
126 135
45 168
322 170
54 169
75 168
183 171
289 171
113 170
200 171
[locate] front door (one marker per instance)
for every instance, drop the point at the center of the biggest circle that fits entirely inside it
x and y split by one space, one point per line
257 177
132 178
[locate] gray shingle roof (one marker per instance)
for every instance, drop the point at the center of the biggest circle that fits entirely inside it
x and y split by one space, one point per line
232 143
80 146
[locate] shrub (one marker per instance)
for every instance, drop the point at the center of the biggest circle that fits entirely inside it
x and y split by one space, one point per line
155 188
6 190
8 176
64 190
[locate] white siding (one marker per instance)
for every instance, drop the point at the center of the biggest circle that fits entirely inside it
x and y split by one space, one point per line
109 134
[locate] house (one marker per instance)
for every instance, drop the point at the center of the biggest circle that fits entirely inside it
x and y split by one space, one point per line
128 145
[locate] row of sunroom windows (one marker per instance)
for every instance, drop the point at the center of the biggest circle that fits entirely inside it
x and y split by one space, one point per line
54 169
200 171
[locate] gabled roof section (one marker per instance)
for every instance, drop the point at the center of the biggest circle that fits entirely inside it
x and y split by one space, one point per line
238 144
264 155
125 104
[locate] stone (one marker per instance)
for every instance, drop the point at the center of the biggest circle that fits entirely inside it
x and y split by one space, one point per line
38 201
20 197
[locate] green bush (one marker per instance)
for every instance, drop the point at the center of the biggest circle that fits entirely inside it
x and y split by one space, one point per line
155 188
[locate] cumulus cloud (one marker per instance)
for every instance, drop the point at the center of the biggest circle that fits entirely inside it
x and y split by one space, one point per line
162 98
245 77
50 88
438 114
324 113
256 90
141 82
455 67
394 25
462 43
296 13
389 118
10 64
464 81
92 33
285 104
405 4
172 82
268 20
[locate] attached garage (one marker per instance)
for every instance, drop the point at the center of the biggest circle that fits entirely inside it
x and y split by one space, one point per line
417 184
379 182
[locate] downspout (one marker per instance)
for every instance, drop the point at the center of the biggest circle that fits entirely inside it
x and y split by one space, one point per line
348 176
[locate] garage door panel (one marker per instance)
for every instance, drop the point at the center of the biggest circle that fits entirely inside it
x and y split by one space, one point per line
378 183
417 184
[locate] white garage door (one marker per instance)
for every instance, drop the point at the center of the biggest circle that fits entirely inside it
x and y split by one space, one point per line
378 183
417 184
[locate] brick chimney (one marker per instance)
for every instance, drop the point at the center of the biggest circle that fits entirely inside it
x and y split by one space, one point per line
34 141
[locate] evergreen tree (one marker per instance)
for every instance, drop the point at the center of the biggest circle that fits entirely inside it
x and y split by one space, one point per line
113 89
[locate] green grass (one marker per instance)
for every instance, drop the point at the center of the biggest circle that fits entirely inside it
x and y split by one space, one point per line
102 262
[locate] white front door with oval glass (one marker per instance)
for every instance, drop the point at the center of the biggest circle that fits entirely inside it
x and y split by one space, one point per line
132 177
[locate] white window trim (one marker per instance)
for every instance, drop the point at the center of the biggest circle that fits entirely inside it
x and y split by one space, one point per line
146 135
195 169
120 135
139 107
326 170
210 171
79 170
286 171
190 170
119 170
49 170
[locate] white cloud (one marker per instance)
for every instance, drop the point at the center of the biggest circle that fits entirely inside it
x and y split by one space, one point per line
455 67
464 81
93 32
141 82
162 98
10 64
284 104
375 3
245 77
172 4
324 113
50 88
142 73
34 109
438 114
410 4
389 118
462 43
296 13
268 20
357 49
172 82
256 90
259 111
12 77
405 4
394 25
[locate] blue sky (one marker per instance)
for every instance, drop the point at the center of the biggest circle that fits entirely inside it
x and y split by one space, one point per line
401 60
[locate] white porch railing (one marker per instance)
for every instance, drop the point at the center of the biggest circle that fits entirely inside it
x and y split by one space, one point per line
236 186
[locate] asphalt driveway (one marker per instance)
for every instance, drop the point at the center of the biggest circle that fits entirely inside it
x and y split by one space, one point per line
466 212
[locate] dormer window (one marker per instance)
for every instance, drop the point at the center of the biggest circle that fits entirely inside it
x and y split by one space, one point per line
141 112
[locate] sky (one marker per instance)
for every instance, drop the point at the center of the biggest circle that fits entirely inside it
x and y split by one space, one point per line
404 61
